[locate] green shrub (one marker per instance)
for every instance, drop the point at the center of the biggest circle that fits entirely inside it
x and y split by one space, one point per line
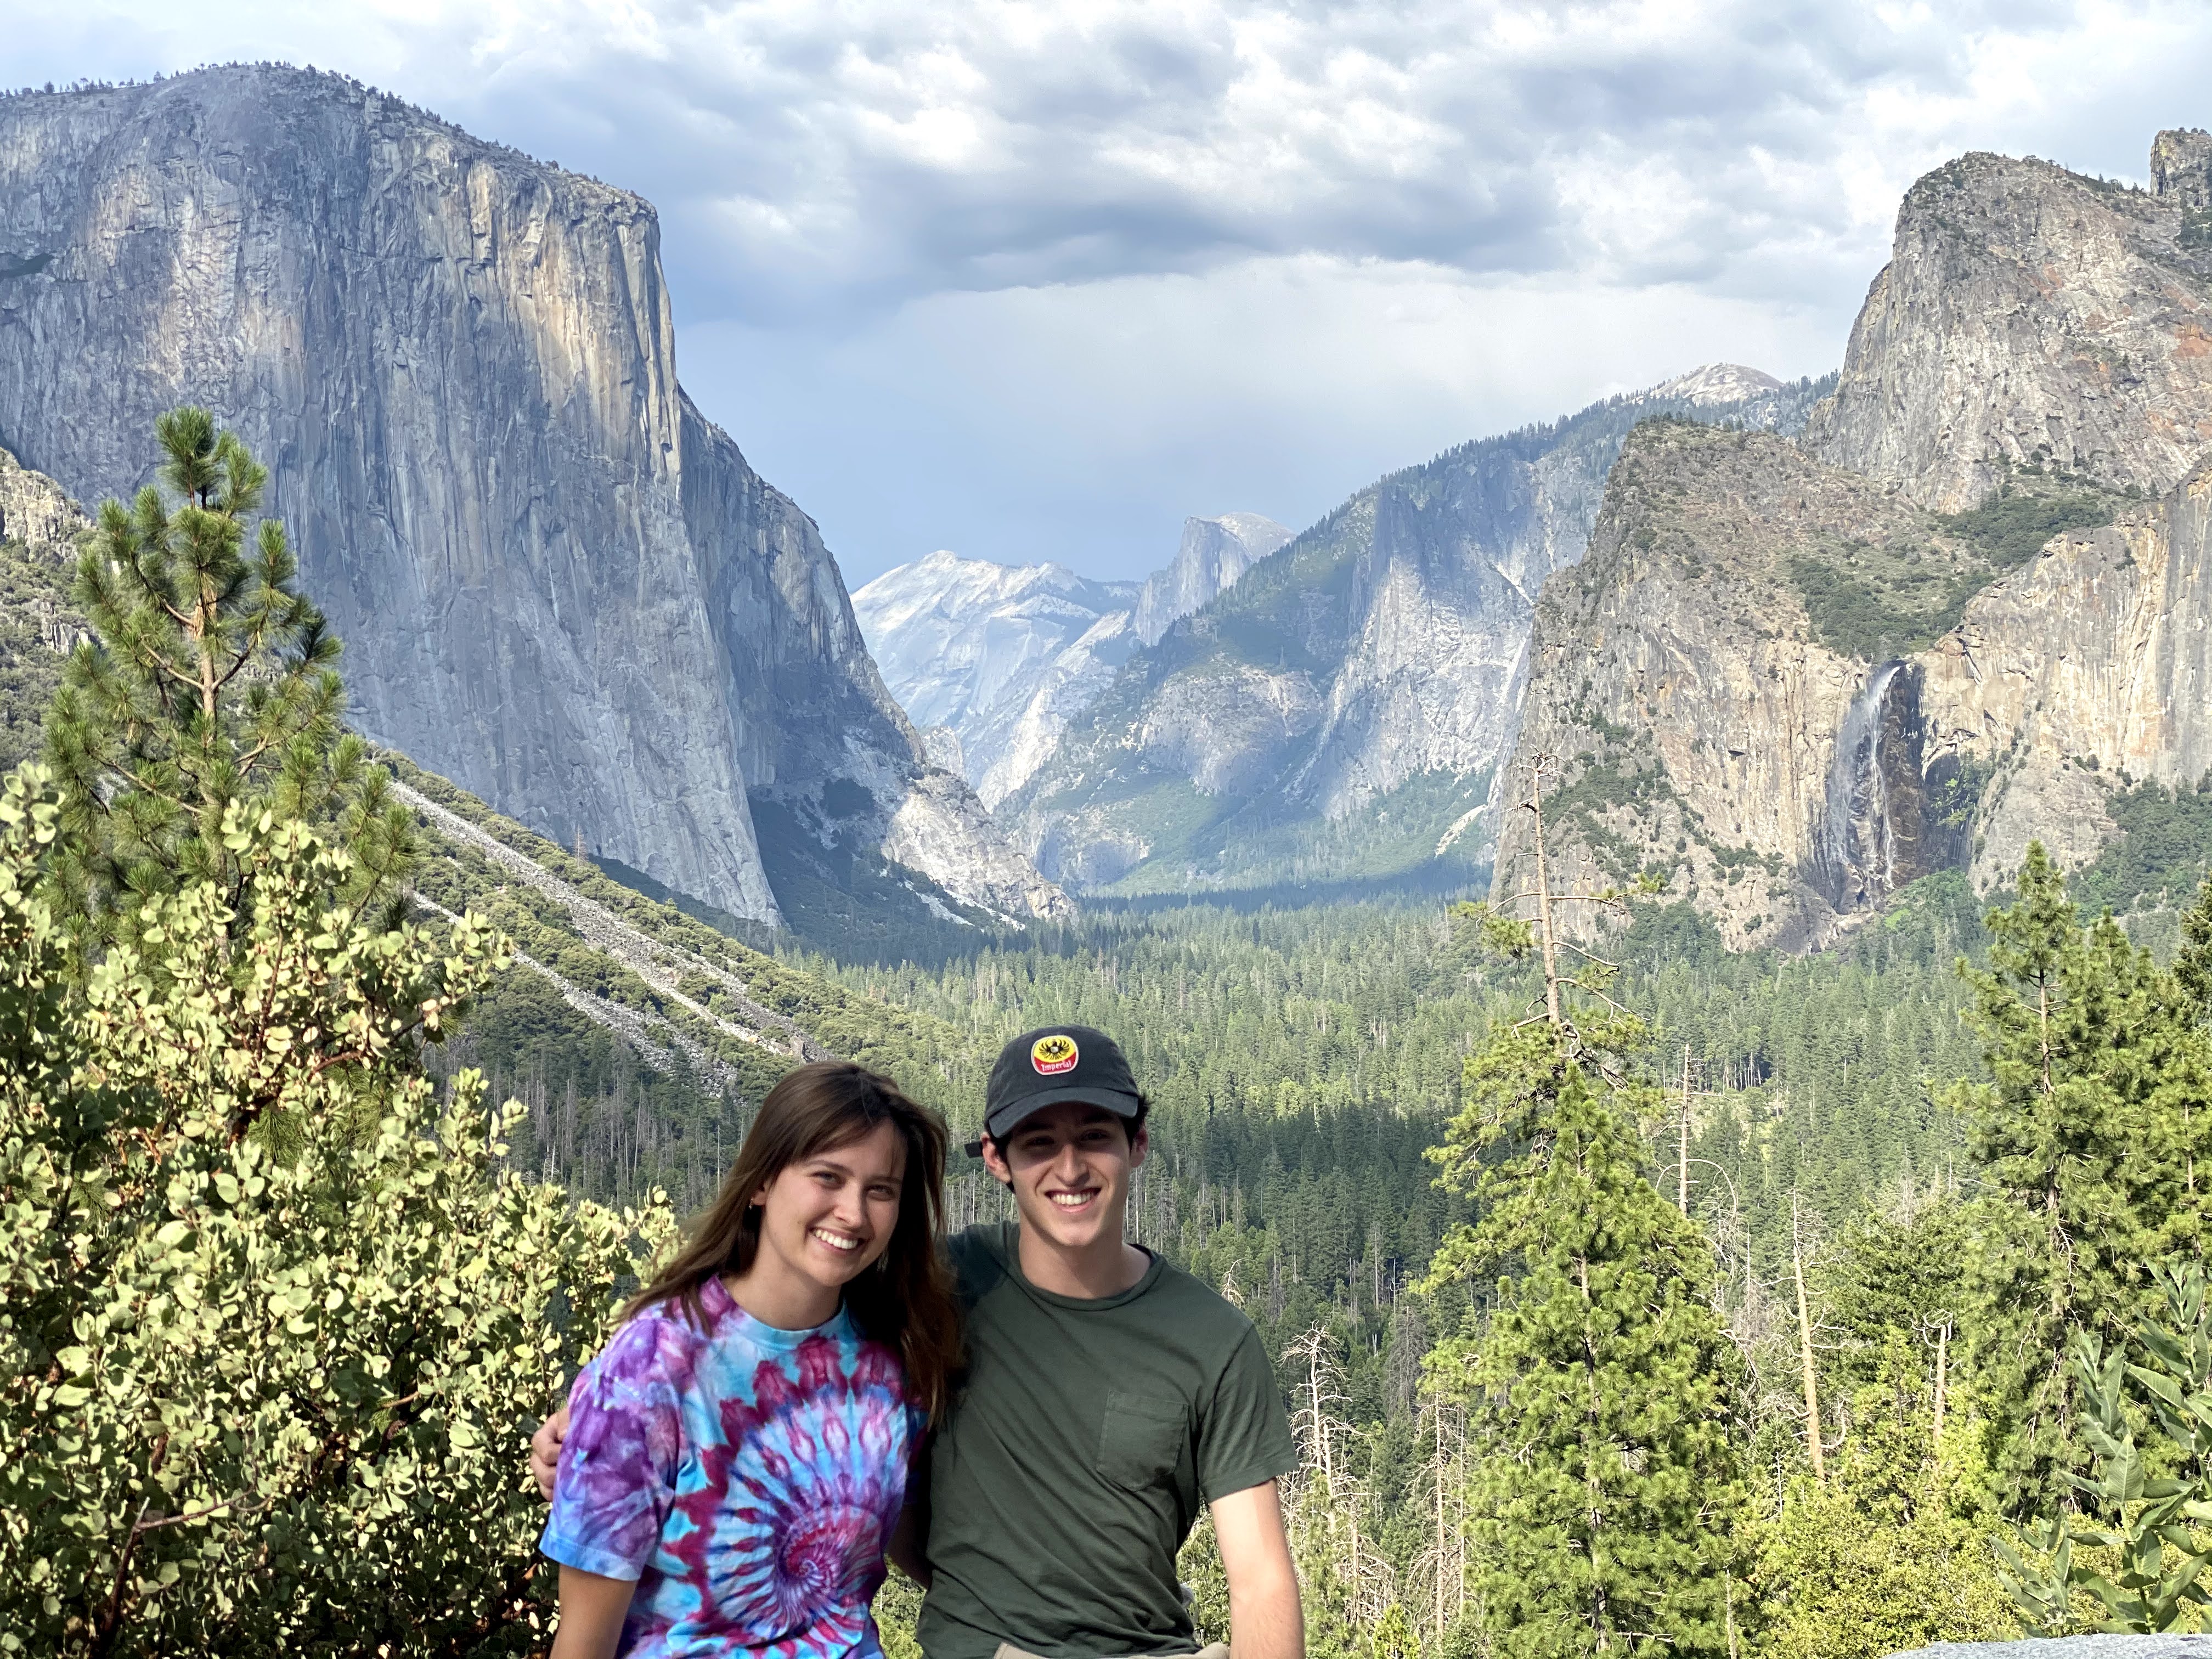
2012 526
274 1323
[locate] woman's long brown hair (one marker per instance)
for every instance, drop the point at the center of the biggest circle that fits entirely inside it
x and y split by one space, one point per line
905 1300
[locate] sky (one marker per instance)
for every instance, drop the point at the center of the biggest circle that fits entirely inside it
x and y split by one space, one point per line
1037 280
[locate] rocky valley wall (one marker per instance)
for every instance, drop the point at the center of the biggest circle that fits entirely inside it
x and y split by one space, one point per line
2087 670
558 584
1968 609
1367 674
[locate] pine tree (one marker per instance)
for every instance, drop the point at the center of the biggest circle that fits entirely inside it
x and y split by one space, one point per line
1603 1388
2090 1134
212 681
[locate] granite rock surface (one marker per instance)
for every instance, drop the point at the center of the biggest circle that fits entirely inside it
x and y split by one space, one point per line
1975 604
1212 553
998 656
1360 684
558 584
2033 316
1693 718
40 530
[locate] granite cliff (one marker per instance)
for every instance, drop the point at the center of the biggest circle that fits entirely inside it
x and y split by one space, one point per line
1710 708
558 583
38 531
1213 555
2032 317
1338 712
1972 609
992 659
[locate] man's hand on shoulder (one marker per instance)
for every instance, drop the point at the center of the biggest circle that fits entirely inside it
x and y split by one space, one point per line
545 1450
1265 1620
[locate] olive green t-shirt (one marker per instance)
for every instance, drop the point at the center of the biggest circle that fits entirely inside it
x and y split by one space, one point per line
1084 1437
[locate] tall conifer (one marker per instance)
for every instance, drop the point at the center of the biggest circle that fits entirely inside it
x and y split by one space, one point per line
212 680
1604 1388
2091 1133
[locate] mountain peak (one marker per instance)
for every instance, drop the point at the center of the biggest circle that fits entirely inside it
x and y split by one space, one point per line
2181 166
2118 388
1716 383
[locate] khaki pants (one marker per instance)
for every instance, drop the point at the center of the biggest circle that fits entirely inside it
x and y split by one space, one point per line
1211 1650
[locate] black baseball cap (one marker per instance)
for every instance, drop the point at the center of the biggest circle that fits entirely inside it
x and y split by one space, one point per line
1053 1065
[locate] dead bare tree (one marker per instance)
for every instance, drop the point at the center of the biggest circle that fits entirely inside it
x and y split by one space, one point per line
1442 1567
1691 1091
1799 1247
1325 1503
1520 936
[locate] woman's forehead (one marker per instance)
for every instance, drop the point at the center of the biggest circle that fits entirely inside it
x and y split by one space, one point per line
881 1150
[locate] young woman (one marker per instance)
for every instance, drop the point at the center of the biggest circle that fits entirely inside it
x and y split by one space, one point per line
738 1455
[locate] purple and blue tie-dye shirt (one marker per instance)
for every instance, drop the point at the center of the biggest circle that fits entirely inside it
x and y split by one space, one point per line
747 1477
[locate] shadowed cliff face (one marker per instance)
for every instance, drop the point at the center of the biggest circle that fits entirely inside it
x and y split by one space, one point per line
1888 815
558 585
2030 316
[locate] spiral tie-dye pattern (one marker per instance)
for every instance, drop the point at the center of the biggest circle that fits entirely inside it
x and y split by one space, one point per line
767 1508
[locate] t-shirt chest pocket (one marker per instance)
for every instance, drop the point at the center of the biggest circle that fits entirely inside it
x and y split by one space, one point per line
1142 1439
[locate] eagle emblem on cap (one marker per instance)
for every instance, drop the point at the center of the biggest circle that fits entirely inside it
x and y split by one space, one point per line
1051 1055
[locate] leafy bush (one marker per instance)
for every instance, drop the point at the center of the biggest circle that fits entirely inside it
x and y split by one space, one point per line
273 1322
1892 1551
2144 1546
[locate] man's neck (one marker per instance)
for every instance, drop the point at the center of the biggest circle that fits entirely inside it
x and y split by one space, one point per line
1105 1268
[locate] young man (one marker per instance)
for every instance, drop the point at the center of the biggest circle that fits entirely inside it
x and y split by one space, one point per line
1107 1395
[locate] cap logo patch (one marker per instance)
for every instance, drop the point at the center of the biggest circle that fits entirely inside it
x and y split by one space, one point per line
1051 1055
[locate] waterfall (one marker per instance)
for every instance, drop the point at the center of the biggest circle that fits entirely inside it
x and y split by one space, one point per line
1857 796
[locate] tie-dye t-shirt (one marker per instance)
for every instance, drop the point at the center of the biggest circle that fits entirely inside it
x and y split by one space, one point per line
746 1478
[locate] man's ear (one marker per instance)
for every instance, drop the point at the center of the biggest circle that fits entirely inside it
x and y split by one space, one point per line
994 1160
1140 1144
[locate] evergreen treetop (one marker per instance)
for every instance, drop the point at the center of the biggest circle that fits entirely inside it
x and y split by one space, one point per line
212 681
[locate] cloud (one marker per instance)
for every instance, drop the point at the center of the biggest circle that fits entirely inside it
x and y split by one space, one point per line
1038 277
839 156
835 157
